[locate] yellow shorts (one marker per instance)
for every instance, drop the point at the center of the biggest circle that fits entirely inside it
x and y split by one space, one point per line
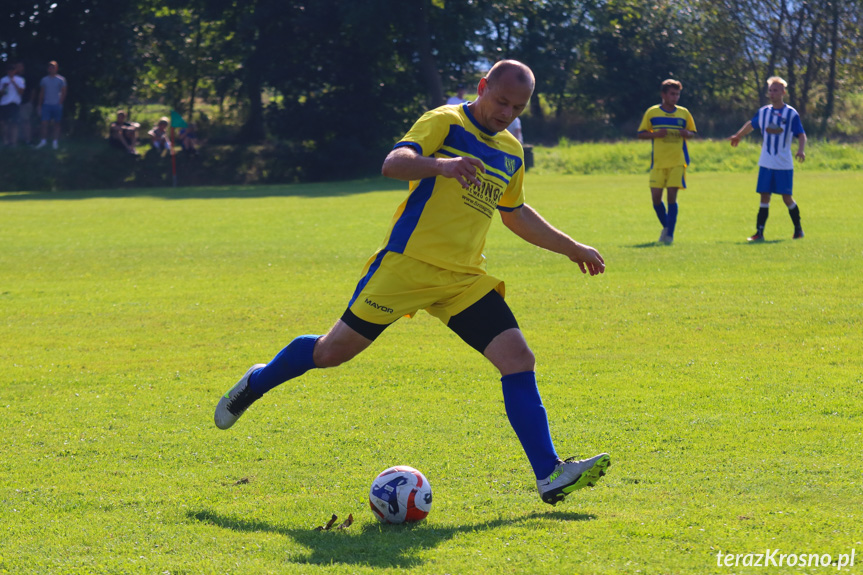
668 177
394 285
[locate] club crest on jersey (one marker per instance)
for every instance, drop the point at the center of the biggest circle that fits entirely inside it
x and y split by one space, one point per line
510 165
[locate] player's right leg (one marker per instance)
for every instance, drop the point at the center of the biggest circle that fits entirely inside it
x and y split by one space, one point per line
306 352
658 206
764 187
490 327
379 298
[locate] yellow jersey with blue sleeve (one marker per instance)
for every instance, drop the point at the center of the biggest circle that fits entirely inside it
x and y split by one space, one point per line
441 223
670 151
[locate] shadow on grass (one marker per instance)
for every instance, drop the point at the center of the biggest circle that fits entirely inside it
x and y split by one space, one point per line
650 245
373 545
312 190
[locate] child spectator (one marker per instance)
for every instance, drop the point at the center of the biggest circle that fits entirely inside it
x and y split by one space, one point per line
159 135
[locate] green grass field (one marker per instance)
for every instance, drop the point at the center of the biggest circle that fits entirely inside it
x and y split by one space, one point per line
724 379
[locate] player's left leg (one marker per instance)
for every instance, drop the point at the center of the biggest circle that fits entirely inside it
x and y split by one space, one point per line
794 212
490 327
672 214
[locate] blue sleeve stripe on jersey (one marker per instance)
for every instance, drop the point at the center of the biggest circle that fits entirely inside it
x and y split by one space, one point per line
410 217
756 119
365 279
489 170
413 145
797 125
505 209
460 139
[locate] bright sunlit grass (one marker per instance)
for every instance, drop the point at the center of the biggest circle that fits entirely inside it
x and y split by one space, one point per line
724 379
633 157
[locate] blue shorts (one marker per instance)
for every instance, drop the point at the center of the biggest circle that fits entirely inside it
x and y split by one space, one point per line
775 181
52 112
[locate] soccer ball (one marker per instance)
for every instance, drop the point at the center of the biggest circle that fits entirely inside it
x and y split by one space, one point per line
400 494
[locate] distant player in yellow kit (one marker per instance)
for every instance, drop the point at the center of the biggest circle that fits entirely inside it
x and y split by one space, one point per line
463 167
668 126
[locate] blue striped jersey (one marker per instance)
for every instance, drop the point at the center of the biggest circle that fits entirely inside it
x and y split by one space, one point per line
779 126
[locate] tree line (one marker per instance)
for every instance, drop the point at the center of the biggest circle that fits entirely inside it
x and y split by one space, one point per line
346 77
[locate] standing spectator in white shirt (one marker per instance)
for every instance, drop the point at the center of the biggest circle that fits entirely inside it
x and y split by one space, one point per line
11 90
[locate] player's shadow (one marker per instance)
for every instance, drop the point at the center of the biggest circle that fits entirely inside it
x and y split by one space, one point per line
650 245
373 544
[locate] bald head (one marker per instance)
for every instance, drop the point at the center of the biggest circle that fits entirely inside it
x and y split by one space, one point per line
512 70
502 95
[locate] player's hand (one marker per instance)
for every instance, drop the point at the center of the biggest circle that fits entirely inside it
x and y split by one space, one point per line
735 139
588 260
801 155
463 169
660 133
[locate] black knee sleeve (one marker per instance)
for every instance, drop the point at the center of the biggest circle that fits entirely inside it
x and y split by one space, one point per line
483 321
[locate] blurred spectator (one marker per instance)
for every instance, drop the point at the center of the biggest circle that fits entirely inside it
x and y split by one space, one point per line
459 96
515 130
11 90
52 94
25 116
188 139
124 134
159 135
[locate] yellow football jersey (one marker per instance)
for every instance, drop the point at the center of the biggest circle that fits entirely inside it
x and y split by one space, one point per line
671 150
441 223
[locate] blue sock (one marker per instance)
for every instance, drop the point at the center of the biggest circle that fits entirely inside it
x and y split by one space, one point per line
293 361
528 418
660 213
672 218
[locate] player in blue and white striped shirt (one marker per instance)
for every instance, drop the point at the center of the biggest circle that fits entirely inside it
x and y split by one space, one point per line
779 123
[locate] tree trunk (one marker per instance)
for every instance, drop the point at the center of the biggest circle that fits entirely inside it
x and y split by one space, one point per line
834 49
811 65
253 128
793 51
428 67
196 55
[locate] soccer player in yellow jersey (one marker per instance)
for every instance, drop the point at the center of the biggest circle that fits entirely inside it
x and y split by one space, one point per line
463 167
668 126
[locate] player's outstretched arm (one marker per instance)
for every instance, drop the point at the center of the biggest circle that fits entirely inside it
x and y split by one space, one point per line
801 147
527 224
405 163
742 132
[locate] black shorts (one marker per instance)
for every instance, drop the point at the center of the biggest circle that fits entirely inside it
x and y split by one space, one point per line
477 326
